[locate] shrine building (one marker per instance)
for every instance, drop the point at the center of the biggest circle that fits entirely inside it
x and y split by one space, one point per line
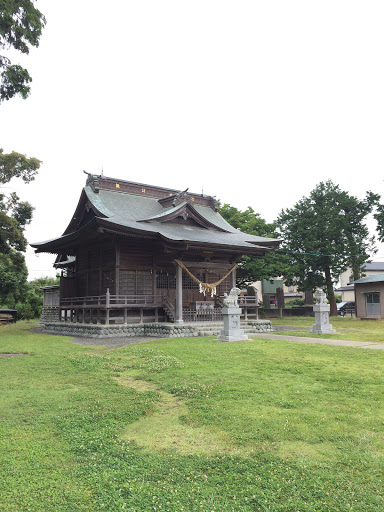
136 253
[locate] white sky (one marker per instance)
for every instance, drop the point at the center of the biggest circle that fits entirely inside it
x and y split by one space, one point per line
255 102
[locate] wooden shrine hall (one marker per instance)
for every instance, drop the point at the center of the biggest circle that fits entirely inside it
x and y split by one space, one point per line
136 253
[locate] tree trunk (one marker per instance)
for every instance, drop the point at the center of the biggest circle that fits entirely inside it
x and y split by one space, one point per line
356 272
309 297
330 293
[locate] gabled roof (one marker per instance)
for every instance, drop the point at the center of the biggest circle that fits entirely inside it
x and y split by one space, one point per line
376 278
135 209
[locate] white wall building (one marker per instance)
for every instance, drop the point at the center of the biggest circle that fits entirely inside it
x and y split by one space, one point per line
348 290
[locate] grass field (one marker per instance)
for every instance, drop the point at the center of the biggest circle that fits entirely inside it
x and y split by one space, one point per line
347 328
190 424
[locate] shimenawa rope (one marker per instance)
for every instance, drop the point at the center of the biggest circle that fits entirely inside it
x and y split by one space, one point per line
204 287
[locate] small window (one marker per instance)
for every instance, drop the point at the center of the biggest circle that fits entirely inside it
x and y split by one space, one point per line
373 303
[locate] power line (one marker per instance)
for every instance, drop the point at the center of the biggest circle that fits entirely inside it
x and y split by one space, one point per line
317 253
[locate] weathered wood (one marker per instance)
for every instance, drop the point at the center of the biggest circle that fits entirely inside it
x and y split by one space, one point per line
179 295
119 250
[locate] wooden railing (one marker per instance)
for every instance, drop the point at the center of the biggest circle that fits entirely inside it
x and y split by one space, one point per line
248 301
102 308
110 301
202 315
169 307
87 301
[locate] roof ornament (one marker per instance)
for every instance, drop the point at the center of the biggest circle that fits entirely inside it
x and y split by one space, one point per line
92 181
180 195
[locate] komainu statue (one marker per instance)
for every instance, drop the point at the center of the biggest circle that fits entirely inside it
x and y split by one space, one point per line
230 301
320 296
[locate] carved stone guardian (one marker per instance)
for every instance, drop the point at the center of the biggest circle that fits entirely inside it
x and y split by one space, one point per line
321 310
231 316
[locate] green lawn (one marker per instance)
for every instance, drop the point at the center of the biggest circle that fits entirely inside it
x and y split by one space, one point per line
347 328
190 424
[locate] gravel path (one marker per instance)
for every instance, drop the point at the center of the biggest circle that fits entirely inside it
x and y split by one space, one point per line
321 341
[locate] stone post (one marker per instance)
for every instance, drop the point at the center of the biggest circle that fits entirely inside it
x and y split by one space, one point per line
321 310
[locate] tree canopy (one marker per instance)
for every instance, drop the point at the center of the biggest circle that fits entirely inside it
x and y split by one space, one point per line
15 215
21 25
324 234
254 268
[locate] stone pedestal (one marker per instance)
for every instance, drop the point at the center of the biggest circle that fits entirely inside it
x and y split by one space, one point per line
322 324
232 331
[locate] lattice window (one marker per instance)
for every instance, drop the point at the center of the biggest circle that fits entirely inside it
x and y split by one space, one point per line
127 282
189 283
136 282
225 286
144 282
165 281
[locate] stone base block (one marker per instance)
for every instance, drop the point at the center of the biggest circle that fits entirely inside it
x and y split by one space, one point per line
242 337
322 329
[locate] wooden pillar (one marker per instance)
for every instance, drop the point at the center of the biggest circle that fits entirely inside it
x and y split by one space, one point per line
100 271
107 302
233 279
179 295
117 268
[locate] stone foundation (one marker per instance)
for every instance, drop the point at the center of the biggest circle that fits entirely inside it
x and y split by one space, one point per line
158 330
49 314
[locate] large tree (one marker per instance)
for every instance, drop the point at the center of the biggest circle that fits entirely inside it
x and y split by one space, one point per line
13 279
253 268
324 234
15 215
21 25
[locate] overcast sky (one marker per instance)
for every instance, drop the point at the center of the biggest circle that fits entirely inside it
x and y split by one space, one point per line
254 102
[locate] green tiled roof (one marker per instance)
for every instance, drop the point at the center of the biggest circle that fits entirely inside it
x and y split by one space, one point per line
144 214
376 278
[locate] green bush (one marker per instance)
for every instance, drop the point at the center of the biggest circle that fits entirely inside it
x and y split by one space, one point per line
29 302
295 302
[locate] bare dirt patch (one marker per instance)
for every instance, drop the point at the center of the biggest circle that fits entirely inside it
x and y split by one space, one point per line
14 355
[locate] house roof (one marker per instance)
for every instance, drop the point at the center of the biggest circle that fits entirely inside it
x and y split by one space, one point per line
348 288
374 265
134 209
376 278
